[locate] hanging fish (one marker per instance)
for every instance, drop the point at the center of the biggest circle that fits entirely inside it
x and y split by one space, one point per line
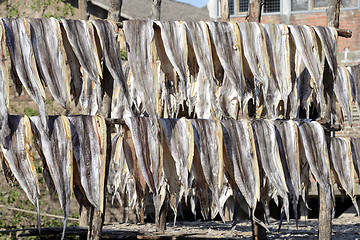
146 135
328 37
18 39
4 91
240 148
287 135
342 89
139 35
57 152
49 54
269 156
313 140
89 96
89 147
18 158
355 84
341 157
209 143
355 150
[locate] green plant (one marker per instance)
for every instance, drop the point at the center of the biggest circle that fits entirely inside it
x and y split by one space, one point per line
13 9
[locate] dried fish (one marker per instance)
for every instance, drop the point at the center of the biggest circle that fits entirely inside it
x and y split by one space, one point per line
312 137
287 135
268 153
355 84
341 157
138 36
4 91
18 158
342 89
89 147
240 148
355 149
209 143
57 152
48 50
18 39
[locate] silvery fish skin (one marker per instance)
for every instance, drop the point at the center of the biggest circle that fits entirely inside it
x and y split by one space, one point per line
18 158
277 38
179 138
341 157
4 90
269 156
57 152
139 35
89 147
240 148
328 37
287 135
89 97
355 84
209 143
80 34
313 140
48 50
255 51
342 90
18 39
228 101
227 41
355 149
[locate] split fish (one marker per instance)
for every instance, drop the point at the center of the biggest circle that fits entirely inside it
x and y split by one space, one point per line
57 152
89 147
355 84
4 90
328 37
89 96
355 149
227 41
139 36
287 135
268 153
18 39
209 143
342 90
49 54
18 158
313 140
341 157
240 148
145 133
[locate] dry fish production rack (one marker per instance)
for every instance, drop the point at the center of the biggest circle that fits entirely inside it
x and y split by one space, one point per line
327 127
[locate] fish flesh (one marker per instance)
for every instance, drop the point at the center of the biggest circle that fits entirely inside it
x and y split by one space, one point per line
240 148
268 153
4 91
89 96
139 35
89 147
313 140
49 50
355 84
208 138
341 157
355 149
18 40
287 135
342 90
18 158
328 37
58 155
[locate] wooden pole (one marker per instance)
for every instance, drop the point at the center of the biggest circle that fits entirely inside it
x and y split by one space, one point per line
115 10
259 232
83 9
156 10
225 16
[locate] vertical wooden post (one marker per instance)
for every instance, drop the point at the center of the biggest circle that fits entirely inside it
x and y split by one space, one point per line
259 232
83 9
225 16
115 10
156 10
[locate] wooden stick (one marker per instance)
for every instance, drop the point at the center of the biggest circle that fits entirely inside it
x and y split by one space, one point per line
33 212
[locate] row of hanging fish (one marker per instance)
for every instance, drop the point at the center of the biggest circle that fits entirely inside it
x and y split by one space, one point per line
73 151
207 161
219 69
347 90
